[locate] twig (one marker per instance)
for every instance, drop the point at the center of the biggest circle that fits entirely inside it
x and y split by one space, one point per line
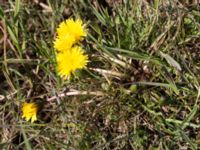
73 93
119 62
44 6
108 72
7 96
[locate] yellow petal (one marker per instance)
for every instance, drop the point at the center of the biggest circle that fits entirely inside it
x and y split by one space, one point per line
34 118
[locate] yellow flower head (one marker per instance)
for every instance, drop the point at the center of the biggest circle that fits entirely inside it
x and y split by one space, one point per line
74 28
69 61
29 111
64 43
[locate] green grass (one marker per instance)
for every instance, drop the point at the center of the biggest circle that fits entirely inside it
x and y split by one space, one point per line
141 89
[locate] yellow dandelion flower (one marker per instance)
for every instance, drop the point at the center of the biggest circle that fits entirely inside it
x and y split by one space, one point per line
69 61
29 111
64 43
75 28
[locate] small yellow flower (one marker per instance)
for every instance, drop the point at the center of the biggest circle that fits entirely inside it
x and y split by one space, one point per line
29 111
74 28
64 43
69 61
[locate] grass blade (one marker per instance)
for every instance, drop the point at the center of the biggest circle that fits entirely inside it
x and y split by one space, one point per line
17 7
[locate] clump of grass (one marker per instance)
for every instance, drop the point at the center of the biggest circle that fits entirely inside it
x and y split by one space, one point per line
141 89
